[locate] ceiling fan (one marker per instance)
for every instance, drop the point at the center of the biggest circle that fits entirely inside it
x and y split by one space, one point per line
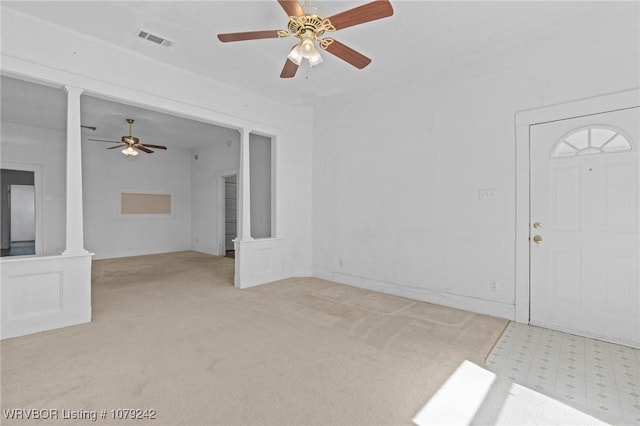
131 144
308 24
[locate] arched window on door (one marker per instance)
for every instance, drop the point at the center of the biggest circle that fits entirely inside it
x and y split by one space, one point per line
591 140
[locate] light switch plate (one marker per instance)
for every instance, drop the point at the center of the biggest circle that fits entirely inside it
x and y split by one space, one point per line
486 194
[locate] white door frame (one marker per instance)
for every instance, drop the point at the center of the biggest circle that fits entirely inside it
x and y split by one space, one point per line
523 120
222 250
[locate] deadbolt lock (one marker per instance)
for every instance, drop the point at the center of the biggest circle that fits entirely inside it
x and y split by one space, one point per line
537 239
537 225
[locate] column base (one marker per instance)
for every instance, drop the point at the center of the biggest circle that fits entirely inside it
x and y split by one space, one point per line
76 252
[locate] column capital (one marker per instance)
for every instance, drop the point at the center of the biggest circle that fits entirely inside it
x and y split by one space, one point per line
73 90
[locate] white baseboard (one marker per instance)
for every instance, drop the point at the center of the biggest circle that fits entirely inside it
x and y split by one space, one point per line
298 272
116 255
456 301
207 250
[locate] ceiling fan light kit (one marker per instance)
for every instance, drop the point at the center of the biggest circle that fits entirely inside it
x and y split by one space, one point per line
129 152
305 50
309 25
315 59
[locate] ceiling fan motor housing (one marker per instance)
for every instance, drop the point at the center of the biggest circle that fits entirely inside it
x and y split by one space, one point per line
305 26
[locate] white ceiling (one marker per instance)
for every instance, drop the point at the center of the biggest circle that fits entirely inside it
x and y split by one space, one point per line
421 39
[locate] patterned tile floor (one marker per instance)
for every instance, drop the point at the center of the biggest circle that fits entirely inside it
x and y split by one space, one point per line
575 370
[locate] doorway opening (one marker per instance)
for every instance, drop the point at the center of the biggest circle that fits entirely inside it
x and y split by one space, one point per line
18 229
230 214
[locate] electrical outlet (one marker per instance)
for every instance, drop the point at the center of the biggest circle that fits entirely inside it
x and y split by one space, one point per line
493 285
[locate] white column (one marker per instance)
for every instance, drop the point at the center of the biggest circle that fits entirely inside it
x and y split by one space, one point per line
75 232
244 180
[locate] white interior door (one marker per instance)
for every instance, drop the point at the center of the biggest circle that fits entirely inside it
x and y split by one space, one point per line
23 212
584 222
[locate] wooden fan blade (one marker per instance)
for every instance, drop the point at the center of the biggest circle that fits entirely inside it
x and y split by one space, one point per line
143 149
292 7
118 146
153 146
249 35
104 140
377 9
289 70
347 54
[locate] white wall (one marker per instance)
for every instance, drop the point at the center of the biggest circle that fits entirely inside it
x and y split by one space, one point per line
33 48
212 160
107 173
396 172
46 149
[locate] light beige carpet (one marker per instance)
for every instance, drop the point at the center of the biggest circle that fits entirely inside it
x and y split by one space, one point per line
171 333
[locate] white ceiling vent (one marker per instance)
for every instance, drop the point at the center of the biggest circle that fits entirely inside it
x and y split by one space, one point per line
155 39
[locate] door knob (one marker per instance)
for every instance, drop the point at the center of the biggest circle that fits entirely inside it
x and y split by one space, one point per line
537 239
537 225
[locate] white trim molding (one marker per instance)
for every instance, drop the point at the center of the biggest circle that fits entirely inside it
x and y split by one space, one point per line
438 297
523 121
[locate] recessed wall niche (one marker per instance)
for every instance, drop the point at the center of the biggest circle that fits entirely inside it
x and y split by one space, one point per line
133 203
